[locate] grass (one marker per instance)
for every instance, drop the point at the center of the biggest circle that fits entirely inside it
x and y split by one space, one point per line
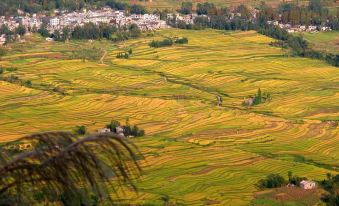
287 197
324 41
175 4
195 152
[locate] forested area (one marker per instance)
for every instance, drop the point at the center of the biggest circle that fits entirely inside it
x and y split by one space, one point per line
220 17
93 31
10 7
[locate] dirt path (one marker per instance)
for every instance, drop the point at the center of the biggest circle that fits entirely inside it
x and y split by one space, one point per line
103 56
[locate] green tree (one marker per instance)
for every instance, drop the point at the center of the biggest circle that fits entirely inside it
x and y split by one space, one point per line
43 31
21 30
113 125
66 32
3 52
186 8
80 130
272 181
134 30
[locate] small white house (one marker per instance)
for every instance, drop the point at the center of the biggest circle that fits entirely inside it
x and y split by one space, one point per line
54 22
120 131
103 130
49 39
307 185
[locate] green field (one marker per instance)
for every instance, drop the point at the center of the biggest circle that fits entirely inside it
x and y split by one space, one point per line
324 41
195 152
175 4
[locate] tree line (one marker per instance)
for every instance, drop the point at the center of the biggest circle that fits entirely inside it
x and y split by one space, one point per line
298 45
10 7
93 31
168 42
12 36
315 13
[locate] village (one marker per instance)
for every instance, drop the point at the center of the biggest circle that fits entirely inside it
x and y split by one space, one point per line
120 18
62 19
299 28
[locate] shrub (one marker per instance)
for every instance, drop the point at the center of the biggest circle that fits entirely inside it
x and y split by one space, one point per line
113 125
331 185
80 130
182 40
163 43
2 52
295 179
272 181
122 55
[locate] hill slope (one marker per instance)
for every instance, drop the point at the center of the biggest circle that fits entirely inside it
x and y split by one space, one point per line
195 152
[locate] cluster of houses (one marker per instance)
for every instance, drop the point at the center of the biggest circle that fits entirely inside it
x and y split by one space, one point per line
78 18
118 18
189 18
304 184
105 15
119 130
299 28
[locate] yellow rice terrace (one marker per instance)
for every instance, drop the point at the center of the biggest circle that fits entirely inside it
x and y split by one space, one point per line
220 110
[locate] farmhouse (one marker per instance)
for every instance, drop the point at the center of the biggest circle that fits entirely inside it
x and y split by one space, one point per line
120 131
248 101
307 185
103 130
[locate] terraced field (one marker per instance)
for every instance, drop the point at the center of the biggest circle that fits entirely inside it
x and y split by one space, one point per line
324 41
174 4
195 152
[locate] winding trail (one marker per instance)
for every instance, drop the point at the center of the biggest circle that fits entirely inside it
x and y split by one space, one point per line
103 56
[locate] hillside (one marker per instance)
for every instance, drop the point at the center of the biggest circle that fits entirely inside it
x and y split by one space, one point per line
195 151
324 41
33 6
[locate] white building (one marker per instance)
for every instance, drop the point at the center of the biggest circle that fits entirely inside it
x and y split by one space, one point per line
103 130
307 185
2 39
120 131
54 22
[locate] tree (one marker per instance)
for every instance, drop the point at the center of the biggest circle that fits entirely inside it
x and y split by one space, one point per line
43 31
21 30
272 181
2 52
57 35
60 167
80 130
134 31
186 8
290 175
315 5
5 30
113 125
137 9
66 32
244 11
206 9
331 185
